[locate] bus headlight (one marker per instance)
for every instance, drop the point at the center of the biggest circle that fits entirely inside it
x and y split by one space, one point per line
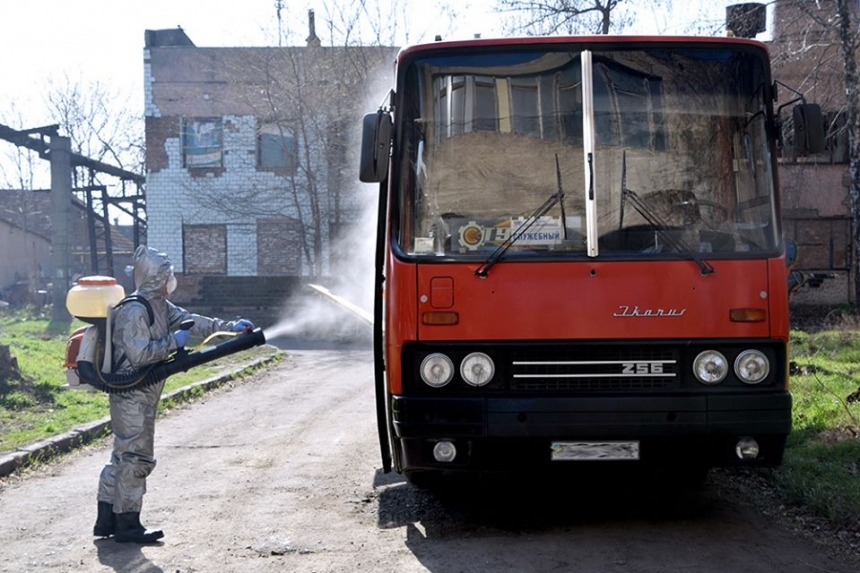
437 370
752 366
710 367
477 369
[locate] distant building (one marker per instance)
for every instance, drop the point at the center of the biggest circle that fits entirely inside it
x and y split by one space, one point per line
250 176
25 260
807 57
26 264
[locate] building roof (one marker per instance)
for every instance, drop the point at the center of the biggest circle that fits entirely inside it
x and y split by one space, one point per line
164 38
31 212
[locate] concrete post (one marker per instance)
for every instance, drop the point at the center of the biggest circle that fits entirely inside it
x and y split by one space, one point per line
61 223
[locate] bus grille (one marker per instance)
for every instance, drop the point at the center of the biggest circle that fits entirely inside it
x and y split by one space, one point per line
588 368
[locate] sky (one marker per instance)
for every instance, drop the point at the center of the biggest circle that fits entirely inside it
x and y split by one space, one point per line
103 40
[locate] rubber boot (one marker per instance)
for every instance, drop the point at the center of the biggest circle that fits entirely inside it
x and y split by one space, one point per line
129 529
105 522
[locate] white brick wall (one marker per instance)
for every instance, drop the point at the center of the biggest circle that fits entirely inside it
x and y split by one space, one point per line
149 107
175 197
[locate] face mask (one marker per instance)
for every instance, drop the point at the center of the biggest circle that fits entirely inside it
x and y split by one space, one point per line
171 284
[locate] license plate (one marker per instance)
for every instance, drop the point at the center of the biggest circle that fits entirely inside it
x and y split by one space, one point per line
598 451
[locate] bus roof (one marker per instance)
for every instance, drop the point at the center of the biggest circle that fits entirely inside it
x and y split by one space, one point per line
526 41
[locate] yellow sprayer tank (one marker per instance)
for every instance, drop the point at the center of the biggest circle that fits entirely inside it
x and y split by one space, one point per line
92 296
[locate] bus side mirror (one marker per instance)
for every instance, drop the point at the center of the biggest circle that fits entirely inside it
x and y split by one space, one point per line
375 145
808 129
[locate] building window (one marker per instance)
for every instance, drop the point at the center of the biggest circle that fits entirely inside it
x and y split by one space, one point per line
277 150
836 133
627 105
452 104
204 249
279 247
486 114
569 107
525 108
202 143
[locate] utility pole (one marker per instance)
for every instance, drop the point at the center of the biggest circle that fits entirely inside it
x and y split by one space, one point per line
61 224
279 5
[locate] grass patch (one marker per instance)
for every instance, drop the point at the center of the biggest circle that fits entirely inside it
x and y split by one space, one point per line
35 405
821 468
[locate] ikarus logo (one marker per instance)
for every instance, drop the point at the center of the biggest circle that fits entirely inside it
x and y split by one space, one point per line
626 311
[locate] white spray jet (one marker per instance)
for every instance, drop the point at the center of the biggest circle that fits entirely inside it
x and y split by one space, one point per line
357 311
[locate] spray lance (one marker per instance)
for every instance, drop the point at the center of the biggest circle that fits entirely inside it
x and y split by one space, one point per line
91 300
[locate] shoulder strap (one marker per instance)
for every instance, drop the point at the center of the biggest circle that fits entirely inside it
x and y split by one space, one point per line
142 300
139 299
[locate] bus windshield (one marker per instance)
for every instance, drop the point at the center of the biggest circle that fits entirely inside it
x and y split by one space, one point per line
599 152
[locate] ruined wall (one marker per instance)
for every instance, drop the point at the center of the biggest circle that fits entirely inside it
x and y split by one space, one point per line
807 57
246 89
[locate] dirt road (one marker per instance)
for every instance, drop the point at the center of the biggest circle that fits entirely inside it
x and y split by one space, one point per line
281 474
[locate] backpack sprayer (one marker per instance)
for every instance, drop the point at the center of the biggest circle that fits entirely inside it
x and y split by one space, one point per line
89 353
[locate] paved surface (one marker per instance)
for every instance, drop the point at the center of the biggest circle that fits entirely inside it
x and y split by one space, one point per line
281 474
90 431
86 433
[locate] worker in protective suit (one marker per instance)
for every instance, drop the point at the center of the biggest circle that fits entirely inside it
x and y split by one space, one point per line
138 343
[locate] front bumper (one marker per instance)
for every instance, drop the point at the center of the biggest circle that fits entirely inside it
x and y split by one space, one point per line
499 433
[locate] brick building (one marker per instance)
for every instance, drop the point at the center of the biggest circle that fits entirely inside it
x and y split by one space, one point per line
26 236
250 176
807 57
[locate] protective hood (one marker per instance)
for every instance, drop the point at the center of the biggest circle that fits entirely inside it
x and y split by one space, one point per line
152 269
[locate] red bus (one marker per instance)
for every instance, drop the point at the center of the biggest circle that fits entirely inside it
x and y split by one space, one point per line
579 254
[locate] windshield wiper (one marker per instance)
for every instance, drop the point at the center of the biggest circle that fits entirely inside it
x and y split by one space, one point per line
557 197
663 230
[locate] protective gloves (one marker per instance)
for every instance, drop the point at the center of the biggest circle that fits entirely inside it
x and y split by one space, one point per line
182 337
240 325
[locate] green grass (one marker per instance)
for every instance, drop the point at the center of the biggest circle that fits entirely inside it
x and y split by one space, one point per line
36 405
821 468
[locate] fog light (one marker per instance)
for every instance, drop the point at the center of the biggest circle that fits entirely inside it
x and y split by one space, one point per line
444 452
746 449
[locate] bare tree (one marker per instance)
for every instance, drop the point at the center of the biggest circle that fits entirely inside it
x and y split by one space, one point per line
816 49
845 19
18 165
548 17
816 52
99 122
303 101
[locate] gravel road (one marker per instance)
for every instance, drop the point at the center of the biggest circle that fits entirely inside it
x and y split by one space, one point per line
281 473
